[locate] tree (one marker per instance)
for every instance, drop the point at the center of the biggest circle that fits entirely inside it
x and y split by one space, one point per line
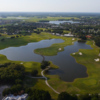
34 72
97 41
39 95
85 97
74 97
6 91
2 39
94 97
10 72
16 88
64 96
44 64
18 81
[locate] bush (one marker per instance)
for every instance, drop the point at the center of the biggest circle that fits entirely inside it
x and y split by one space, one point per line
6 91
34 72
44 64
64 96
39 95
97 41
85 97
18 81
2 39
12 37
10 72
15 89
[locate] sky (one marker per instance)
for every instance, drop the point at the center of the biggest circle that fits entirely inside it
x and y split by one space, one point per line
49 5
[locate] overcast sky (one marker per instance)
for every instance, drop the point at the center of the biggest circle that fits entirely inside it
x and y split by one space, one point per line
49 5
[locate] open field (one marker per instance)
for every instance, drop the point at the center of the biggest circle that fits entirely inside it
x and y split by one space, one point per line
37 19
23 40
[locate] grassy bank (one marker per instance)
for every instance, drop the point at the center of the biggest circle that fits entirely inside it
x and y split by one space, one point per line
23 40
90 84
54 49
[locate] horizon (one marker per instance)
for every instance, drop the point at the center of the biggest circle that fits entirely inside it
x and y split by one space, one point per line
45 12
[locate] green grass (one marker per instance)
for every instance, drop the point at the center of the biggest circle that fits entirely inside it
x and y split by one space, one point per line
23 40
54 49
90 84
36 19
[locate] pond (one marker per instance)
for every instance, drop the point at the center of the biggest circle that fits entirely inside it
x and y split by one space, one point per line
68 68
61 22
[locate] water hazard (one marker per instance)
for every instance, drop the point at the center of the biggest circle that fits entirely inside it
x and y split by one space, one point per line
68 68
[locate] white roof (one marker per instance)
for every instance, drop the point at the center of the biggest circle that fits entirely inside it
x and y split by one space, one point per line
18 97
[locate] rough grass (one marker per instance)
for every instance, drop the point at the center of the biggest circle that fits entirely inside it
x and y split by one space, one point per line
23 40
54 49
90 84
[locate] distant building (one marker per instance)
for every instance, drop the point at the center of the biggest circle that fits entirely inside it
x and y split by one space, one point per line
88 36
68 35
57 34
18 97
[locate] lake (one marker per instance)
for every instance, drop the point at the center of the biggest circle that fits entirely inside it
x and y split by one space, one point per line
61 22
68 68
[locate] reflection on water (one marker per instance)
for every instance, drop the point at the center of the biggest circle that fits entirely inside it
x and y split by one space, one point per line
68 68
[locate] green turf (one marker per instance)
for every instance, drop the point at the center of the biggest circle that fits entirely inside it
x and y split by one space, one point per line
54 49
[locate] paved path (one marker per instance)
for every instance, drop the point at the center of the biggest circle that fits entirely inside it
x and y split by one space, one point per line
46 79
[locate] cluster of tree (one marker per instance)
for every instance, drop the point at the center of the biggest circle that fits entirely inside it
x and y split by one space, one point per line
83 37
25 28
60 31
10 72
34 72
97 41
16 89
43 20
44 64
2 39
67 96
38 94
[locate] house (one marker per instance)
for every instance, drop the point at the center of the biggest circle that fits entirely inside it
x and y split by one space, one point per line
57 34
88 36
68 35
18 97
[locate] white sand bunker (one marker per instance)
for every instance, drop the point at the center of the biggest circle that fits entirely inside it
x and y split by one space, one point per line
80 53
74 53
59 49
96 60
73 39
21 63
